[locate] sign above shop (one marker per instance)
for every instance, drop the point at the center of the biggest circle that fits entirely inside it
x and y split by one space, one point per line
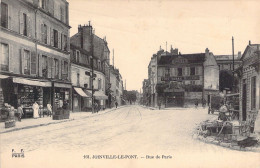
180 78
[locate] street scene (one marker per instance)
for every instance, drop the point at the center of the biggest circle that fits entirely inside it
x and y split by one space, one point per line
129 83
131 130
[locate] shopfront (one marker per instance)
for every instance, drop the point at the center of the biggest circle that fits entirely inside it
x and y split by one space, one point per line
81 101
61 97
100 99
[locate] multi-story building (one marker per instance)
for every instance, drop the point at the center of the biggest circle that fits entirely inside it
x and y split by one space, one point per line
35 59
116 86
88 47
225 64
249 84
185 78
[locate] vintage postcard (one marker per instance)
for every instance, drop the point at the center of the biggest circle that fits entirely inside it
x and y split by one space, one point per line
130 83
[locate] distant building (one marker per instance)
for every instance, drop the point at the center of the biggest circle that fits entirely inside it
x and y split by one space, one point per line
146 100
249 84
116 87
185 78
35 59
225 64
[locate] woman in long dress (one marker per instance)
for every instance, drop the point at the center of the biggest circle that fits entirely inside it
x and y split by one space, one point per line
35 110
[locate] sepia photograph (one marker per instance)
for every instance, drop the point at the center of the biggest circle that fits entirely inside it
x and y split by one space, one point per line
130 84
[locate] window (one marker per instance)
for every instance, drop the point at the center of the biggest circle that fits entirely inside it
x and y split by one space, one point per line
253 92
44 33
167 72
26 59
4 15
99 84
179 71
43 4
25 24
44 66
65 70
56 68
55 36
4 59
192 71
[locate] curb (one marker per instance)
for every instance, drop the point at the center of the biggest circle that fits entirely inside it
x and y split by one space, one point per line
61 121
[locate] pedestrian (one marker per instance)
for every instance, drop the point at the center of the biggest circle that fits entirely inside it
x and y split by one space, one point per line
196 103
159 104
116 104
49 108
35 110
20 112
203 103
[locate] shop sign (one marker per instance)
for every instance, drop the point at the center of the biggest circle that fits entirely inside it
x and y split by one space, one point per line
180 78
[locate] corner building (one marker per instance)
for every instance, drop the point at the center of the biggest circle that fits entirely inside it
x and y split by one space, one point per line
35 60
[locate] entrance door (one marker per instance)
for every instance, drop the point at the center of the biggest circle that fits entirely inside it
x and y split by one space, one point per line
244 100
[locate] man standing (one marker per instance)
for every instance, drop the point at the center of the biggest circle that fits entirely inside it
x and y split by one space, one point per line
20 112
116 104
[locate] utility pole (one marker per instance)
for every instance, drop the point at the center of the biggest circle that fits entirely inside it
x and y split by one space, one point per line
113 59
125 84
233 82
166 49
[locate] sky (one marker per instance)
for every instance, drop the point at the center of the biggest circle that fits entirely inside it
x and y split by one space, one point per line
136 29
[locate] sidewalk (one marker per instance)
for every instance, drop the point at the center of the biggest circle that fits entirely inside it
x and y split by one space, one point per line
32 123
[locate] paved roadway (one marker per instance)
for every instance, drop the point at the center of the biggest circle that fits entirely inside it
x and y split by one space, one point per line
132 130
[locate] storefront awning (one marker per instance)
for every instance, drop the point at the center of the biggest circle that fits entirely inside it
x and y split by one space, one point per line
3 76
100 95
31 82
80 92
62 85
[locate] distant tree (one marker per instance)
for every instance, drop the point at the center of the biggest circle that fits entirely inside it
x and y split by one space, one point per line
131 95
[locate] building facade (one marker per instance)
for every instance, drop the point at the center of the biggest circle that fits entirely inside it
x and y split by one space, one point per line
35 59
117 87
87 47
185 78
249 74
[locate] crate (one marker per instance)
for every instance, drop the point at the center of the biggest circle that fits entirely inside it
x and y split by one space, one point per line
9 123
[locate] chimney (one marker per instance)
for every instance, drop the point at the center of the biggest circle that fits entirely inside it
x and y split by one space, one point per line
160 48
249 42
207 50
86 34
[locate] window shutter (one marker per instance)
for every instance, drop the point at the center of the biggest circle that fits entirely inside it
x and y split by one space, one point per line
21 61
52 37
175 72
53 68
29 26
183 71
196 70
60 69
48 35
49 66
40 65
21 22
172 72
33 63
188 71
10 17
42 32
59 40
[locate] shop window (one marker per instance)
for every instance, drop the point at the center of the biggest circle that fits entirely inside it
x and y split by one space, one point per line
25 24
44 33
44 66
253 92
192 71
179 71
55 36
4 59
26 59
56 68
4 15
